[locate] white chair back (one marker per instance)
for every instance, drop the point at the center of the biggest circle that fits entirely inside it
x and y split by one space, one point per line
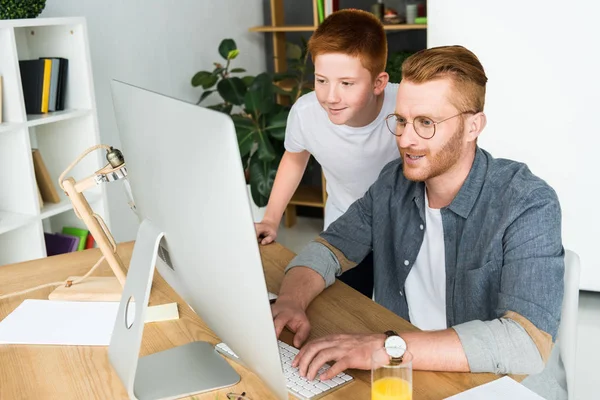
567 331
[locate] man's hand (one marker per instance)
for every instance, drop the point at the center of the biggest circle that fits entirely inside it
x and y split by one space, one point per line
348 351
289 313
266 231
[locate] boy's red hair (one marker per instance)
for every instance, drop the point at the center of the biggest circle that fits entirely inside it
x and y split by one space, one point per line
355 33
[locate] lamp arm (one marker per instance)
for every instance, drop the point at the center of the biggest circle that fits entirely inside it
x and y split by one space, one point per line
103 238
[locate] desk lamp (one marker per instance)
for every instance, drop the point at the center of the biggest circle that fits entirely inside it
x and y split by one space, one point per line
88 288
95 288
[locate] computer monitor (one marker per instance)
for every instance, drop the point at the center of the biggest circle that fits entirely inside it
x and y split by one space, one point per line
188 184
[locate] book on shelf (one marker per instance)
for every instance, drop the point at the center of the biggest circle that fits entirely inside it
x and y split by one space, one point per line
58 243
331 6
44 84
90 242
82 234
44 181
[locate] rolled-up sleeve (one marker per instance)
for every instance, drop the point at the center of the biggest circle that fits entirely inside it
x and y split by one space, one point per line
532 284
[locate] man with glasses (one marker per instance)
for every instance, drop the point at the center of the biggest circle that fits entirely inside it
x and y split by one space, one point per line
466 247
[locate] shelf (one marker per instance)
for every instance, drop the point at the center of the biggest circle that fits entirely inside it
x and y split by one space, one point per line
310 196
290 28
55 116
11 221
52 209
404 27
310 28
10 126
289 84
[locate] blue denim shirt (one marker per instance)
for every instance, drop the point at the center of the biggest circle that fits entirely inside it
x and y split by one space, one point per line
504 262
502 237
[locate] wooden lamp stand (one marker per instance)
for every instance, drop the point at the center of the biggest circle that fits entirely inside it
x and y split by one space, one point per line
94 288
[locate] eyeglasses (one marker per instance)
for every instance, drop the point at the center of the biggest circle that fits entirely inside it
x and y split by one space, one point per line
425 127
236 396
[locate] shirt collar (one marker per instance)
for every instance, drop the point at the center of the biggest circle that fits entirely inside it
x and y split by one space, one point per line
467 195
469 192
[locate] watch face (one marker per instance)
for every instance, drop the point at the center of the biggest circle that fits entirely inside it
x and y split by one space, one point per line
395 346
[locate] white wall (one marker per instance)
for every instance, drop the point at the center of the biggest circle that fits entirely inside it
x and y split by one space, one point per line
158 45
541 59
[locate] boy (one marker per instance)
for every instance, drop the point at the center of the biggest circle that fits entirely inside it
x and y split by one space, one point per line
342 123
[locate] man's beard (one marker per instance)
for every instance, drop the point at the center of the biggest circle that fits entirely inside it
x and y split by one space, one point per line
441 162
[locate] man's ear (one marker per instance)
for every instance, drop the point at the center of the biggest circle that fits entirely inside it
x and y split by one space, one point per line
475 124
380 83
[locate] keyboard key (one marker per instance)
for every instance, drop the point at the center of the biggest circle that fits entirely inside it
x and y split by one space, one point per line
299 386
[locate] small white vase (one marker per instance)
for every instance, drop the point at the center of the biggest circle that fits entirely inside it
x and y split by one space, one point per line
258 213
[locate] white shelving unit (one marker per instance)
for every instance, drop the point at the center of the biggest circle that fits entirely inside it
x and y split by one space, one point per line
60 136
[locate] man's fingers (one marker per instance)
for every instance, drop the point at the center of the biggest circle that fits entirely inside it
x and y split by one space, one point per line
340 366
301 334
321 358
312 351
279 325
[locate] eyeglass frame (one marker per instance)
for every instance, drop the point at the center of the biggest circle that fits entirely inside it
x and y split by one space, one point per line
435 123
237 396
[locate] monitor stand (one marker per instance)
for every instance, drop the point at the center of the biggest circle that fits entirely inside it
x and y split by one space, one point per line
170 374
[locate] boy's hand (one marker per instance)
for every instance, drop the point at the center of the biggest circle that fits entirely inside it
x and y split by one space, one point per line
266 231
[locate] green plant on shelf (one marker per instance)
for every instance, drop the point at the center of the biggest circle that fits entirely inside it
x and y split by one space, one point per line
17 9
259 120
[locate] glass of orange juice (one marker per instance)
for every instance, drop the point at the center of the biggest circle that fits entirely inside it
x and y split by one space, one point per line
391 379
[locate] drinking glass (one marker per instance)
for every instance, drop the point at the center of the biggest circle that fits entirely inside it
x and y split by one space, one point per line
391 379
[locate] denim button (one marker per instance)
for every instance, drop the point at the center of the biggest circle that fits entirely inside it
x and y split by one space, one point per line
406 262
421 226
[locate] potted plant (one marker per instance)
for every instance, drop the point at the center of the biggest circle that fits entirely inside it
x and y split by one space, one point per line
259 119
17 9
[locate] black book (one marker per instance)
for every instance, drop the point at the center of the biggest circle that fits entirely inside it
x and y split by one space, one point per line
62 83
32 80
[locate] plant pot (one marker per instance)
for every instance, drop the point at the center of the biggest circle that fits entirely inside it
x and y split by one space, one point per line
257 212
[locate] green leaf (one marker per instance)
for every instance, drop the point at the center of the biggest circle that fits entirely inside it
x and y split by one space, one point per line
232 90
233 54
262 176
209 81
234 70
276 125
204 95
199 78
244 129
248 80
281 91
226 46
259 98
293 51
265 150
279 76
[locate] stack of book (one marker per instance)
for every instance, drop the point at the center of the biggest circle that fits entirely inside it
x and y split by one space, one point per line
69 240
44 84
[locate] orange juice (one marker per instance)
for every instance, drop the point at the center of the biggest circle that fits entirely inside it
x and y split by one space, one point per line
391 388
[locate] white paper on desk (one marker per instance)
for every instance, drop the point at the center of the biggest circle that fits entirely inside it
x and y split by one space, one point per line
79 323
500 389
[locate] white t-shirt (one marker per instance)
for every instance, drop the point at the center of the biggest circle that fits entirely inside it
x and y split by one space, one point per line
351 158
425 286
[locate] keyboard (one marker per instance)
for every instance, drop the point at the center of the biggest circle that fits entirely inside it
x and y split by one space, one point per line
298 386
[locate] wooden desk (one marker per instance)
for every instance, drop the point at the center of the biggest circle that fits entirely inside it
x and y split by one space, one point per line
84 372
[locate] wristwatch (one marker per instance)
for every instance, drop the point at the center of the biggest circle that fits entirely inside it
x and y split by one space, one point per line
395 346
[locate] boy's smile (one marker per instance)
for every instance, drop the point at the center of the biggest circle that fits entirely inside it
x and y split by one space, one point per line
346 91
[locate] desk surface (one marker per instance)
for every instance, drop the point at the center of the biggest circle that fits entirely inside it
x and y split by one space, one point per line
69 372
